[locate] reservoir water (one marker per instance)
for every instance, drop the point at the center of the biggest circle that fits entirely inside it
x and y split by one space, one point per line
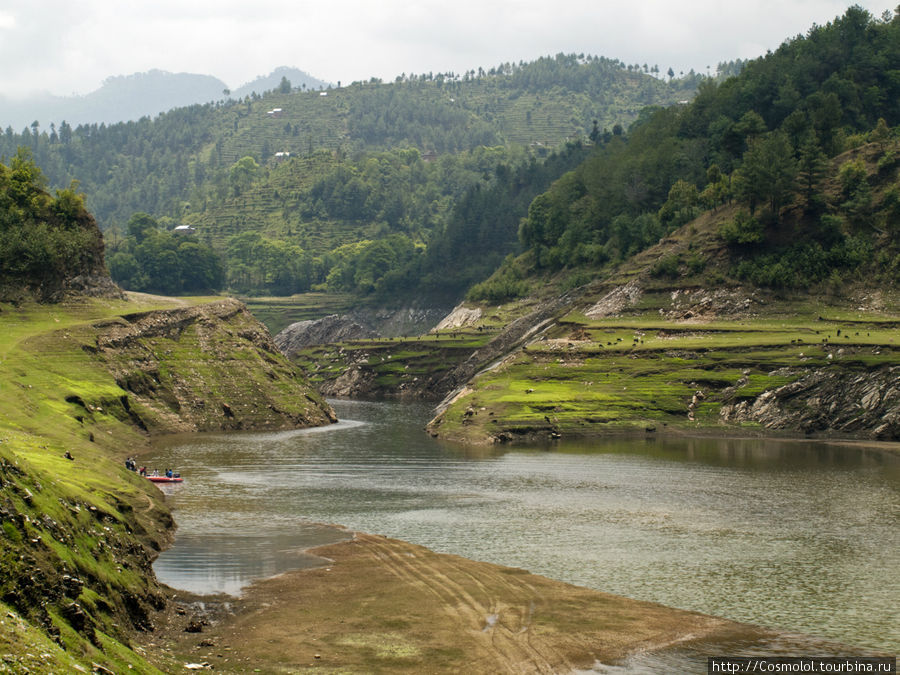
794 535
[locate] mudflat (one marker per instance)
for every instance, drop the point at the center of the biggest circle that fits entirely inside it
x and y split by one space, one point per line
383 605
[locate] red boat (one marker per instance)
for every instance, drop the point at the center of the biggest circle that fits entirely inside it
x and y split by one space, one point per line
165 479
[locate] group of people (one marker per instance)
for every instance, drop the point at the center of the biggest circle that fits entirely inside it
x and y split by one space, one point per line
131 465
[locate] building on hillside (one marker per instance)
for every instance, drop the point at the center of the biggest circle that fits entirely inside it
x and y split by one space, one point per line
183 229
274 112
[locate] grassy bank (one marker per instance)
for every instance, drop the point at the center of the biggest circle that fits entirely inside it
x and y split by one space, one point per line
85 517
641 370
81 384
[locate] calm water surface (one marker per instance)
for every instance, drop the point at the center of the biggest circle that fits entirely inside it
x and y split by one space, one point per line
798 536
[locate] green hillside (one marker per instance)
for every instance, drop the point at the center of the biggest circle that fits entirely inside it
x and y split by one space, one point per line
766 141
314 171
156 165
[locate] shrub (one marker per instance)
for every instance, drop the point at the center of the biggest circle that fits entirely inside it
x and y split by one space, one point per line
666 266
743 230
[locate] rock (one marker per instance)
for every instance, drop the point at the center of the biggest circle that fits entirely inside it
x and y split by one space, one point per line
828 400
334 328
460 317
196 626
71 586
616 300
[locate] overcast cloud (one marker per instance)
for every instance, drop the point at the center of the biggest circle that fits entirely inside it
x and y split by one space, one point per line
71 46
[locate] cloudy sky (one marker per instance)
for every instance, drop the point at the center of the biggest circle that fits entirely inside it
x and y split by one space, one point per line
71 46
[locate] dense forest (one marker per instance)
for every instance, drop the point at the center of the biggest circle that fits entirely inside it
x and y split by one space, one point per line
365 175
764 141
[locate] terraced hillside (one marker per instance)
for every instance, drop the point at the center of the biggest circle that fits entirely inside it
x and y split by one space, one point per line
774 365
175 164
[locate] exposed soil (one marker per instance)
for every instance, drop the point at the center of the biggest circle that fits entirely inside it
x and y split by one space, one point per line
384 605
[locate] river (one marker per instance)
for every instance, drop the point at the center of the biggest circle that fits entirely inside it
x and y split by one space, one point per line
800 536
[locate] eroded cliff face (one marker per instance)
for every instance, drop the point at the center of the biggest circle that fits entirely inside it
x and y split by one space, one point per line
205 368
864 404
328 329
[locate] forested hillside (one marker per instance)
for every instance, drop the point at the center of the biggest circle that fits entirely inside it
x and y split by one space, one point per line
322 175
766 141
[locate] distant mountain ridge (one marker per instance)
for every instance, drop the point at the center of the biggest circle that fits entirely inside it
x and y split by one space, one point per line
299 79
123 98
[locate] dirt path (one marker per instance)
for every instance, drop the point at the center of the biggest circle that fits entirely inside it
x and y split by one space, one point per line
147 298
388 606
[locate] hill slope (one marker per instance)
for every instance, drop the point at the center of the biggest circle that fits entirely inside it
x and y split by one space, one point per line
81 384
379 166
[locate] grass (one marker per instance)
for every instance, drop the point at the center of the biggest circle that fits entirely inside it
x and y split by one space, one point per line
77 515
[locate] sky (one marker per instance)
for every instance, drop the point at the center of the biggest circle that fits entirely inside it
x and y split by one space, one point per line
67 47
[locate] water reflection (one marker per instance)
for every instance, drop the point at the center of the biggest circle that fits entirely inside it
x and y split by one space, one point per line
217 563
792 535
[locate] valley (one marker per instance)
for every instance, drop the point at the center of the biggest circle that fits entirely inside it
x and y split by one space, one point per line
619 329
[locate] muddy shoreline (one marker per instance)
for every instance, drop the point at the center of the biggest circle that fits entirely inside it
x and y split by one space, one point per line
384 605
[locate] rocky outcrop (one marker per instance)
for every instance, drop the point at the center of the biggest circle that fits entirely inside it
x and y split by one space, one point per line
708 304
333 328
616 300
863 404
399 322
96 285
512 337
460 317
360 324
357 381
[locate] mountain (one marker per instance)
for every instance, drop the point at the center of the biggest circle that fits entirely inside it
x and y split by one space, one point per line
119 99
299 79
122 98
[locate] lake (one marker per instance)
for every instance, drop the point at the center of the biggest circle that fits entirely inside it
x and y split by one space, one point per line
801 536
